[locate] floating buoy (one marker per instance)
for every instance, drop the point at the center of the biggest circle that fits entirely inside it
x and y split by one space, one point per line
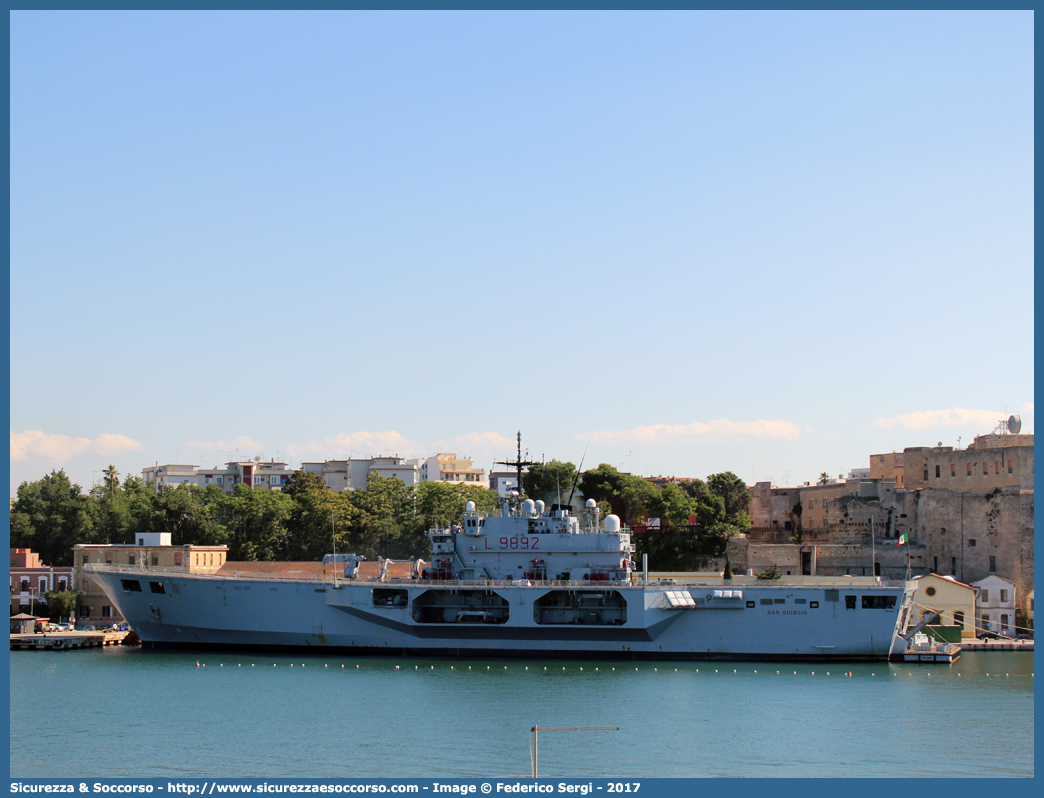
291 664
451 667
197 663
396 667
356 667
342 666
222 665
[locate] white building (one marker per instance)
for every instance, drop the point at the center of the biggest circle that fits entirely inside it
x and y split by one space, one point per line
170 475
503 481
995 606
270 476
353 474
446 467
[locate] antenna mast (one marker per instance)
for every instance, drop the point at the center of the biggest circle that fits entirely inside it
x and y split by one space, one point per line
517 463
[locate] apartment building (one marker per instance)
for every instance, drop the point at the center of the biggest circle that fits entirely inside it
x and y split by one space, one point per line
31 579
447 467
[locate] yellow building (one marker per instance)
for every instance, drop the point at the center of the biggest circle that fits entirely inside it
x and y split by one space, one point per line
152 552
944 594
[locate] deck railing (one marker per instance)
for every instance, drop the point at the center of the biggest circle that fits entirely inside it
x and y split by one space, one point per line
330 578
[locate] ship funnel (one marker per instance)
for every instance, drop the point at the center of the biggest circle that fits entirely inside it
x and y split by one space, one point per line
612 523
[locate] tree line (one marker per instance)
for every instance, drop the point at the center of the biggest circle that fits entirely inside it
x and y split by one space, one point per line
307 519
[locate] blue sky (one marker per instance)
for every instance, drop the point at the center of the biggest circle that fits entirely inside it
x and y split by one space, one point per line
772 243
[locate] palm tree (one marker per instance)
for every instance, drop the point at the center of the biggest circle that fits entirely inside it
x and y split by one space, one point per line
824 478
112 478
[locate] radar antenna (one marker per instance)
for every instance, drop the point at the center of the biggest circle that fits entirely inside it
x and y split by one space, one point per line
517 463
1009 426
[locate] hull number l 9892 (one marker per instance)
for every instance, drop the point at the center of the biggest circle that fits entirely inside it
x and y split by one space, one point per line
524 543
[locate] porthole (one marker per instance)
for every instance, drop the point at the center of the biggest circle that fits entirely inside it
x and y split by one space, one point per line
929 591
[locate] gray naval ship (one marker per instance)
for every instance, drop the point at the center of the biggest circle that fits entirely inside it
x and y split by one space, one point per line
524 581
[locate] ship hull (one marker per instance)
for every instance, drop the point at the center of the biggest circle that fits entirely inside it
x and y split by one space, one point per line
684 622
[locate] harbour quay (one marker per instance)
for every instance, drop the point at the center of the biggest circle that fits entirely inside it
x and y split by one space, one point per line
60 641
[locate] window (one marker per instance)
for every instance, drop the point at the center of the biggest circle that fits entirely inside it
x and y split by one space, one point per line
217 480
155 560
43 586
850 602
971 543
273 480
130 560
1004 596
85 559
1004 623
141 541
1009 466
935 564
958 618
108 558
177 559
969 469
929 591
984 595
61 584
25 585
953 469
937 472
767 601
985 468
131 585
106 611
878 602
926 475
156 587
953 566
993 564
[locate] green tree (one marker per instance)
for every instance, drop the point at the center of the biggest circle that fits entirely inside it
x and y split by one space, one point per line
824 478
603 483
62 603
734 492
381 510
710 508
189 513
673 506
300 482
50 516
548 481
255 522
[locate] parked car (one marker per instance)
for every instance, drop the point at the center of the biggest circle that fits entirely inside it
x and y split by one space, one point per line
989 636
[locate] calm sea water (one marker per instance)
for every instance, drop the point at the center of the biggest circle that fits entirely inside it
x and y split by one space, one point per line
132 713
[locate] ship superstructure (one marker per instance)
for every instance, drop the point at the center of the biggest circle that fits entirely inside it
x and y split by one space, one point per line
523 581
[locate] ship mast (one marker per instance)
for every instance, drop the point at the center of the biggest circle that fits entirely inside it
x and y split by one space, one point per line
517 463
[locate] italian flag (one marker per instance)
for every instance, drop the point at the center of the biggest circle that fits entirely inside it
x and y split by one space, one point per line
902 540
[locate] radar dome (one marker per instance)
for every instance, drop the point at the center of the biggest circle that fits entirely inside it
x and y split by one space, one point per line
540 506
527 507
612 523
592 503
469 507
1014 424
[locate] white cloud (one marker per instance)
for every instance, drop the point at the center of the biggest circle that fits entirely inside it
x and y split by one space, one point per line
356 444
718 429
37 443
242 443
959 417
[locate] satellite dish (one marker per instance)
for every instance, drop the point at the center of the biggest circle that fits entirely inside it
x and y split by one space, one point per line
1014 424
